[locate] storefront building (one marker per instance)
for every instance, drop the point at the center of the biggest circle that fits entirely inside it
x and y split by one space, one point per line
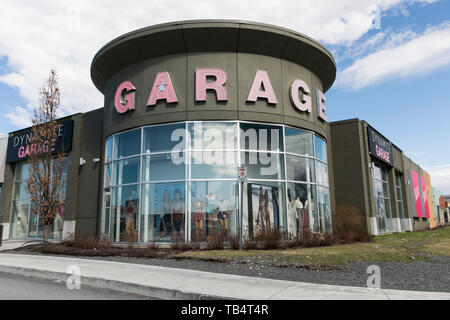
186 104
392 193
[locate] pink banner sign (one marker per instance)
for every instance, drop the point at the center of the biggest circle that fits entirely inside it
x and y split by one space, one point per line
416 190
425 196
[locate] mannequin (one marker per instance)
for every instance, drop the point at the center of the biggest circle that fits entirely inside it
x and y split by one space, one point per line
261 209
224 213
199 216
292 216
177 217
130 211
298 205
212 208
267 211
58 222
166 214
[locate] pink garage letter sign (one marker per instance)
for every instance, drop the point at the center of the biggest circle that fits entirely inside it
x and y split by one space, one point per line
218 85
162 90
425 196
322 109
262 79
416 190
305 103
124 99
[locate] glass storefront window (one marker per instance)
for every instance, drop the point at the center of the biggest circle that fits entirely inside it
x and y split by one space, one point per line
322 173
299 141
24 223
263 165
213 165
126 171
382 198
302 213
127 144
19 219
300 169
109 150
163 212
213 209
324 210
320 147
164 138
22 171
259 137
144 192
160 167
20 191
213 135
125 213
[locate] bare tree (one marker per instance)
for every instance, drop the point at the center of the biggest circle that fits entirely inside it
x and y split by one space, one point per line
45 183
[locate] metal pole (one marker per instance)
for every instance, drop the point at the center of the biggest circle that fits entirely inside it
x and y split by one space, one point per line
241 212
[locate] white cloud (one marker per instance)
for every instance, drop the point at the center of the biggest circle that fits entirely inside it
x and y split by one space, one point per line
403 55
19 116
65 35
440 177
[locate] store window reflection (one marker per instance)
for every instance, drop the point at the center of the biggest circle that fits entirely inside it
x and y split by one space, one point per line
25 223
163 212
153 193
302 214
382 198
125 210
213 209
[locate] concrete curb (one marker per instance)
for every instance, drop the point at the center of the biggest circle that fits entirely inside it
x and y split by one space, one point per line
121 286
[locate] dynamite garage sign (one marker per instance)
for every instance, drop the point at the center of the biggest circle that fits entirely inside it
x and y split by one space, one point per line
19 146
379 147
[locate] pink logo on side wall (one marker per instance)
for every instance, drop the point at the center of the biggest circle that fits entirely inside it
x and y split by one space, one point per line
425 196
417 198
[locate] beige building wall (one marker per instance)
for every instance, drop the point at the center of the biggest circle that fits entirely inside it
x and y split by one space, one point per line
432 221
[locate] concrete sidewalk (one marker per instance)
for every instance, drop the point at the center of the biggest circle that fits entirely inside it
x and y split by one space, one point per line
174 283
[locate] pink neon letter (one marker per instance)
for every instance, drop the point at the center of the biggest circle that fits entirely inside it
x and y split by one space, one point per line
305 103
201 85
262 78
124 99
321 105
162 89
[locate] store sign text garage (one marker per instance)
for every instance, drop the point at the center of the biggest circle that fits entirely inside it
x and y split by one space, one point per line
20 147
261 88
379 147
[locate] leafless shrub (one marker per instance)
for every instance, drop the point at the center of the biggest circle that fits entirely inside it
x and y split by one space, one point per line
349 226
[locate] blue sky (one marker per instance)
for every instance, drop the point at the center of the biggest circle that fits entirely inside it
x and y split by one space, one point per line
395 77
